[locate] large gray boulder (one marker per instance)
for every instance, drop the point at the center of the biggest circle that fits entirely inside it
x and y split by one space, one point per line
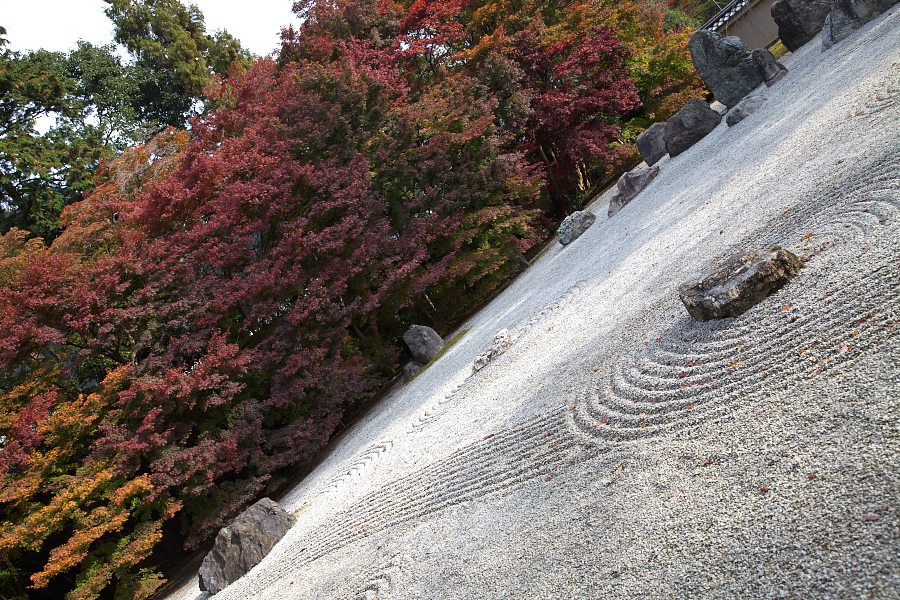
742 281
690 125
799 20
240 546
574 225
652 143
847 16
768 67
423 342
629 186
746 107
725 64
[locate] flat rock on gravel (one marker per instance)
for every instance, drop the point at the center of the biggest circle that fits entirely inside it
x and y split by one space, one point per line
620 449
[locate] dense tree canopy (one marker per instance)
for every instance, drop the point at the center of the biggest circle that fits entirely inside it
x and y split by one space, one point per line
209 311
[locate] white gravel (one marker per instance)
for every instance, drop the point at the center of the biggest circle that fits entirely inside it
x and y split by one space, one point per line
620 449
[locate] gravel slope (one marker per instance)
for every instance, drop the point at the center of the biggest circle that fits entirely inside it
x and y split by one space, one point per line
621 449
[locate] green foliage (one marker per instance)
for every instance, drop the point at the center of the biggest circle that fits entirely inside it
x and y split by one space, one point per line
40 174
178 59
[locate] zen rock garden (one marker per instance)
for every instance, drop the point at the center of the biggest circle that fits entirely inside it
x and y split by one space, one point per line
675 395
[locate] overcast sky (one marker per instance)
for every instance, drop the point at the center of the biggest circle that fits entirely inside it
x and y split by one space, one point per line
59 24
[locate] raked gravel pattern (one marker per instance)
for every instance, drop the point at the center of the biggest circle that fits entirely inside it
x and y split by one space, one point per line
621 449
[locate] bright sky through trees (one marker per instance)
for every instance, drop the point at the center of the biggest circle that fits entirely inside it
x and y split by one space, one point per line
58 24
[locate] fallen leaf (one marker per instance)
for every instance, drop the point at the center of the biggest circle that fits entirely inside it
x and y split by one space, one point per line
845 349
785 307
619 469
764 489
682 376
548 478
657 339
802 351
865 318
690 364
571 408
689 407
489 436
676 497
707 462
603 420
734 363
807 236
811 476
642 426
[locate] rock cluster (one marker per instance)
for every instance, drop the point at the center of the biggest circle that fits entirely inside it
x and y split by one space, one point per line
240 546
423 342
742 281
502 342
629 186
574 225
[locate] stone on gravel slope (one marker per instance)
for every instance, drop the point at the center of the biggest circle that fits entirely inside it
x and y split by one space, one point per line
652 143
799 20
424 343
574 225
742 281
240 546
689 125
629 186
725 64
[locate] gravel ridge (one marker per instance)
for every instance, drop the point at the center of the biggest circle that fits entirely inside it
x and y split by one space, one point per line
620 448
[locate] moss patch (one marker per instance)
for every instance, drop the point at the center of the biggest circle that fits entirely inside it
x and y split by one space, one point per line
446 347
778 49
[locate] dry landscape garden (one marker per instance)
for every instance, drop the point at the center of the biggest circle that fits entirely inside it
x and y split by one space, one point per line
454 299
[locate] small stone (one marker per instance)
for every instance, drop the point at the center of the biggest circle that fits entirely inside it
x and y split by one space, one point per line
423 342
574 225
741 282
769 69
744 108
